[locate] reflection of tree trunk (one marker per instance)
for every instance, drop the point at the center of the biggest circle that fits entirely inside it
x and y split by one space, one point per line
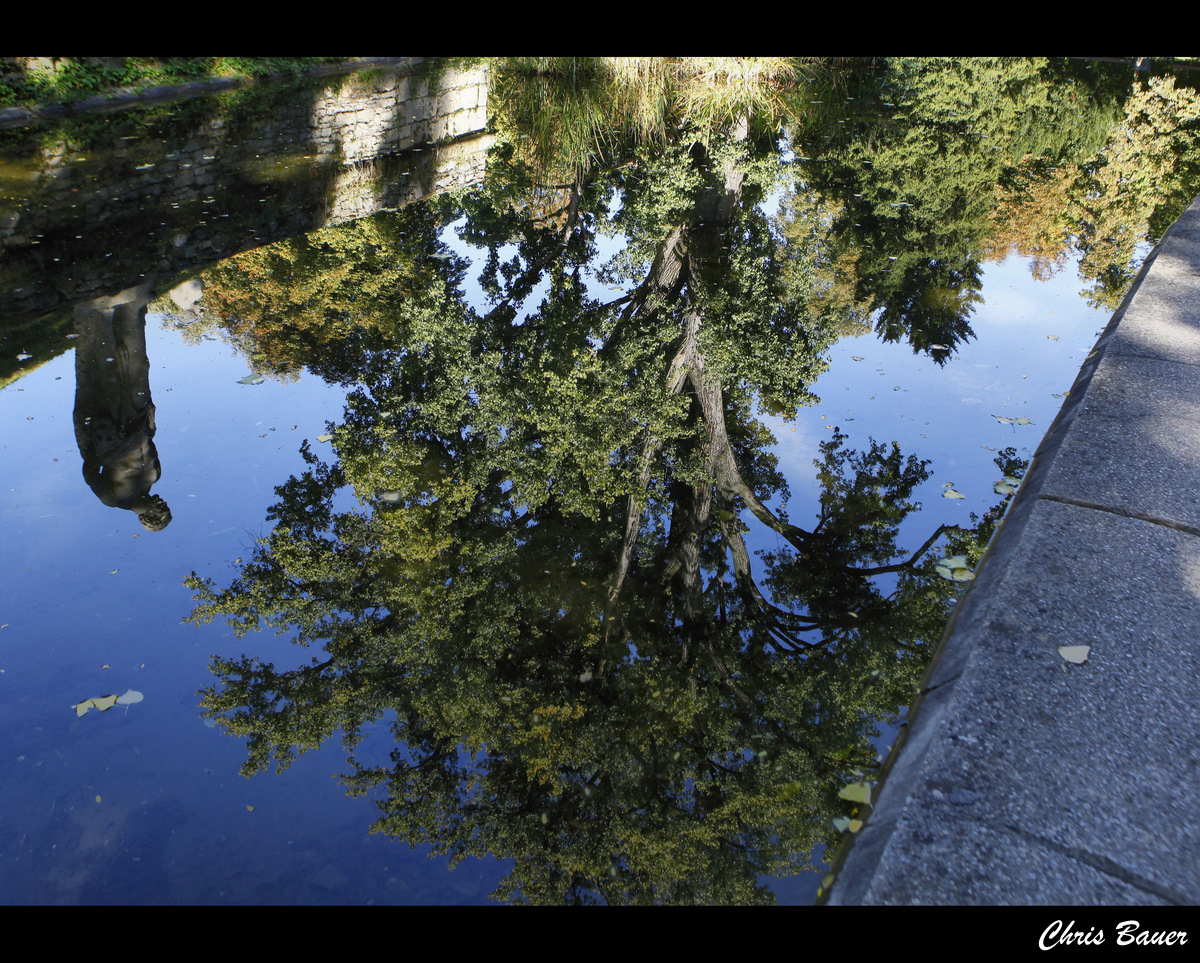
690 514
674 269
114 413
689 257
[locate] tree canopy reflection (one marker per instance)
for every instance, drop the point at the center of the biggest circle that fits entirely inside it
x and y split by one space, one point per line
545 583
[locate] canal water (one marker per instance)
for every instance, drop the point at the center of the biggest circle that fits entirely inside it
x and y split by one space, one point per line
453 487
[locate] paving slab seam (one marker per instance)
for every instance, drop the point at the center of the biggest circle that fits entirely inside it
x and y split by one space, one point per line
1127 350
1123 513
1104 865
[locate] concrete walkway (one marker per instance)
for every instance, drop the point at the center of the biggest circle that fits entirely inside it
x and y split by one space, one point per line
1023 778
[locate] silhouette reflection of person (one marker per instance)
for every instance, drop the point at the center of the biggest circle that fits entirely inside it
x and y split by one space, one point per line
114 414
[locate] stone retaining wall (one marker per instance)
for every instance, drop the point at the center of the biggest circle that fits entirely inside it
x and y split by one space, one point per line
150 202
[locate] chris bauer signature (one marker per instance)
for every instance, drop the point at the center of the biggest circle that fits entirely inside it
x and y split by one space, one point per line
1129 933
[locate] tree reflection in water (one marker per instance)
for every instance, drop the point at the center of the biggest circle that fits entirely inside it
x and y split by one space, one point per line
547 587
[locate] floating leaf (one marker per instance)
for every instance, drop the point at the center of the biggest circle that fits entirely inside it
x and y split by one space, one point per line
940 347
1006 485
855 357
325 437
101 703
951 493
252 379
107 702
1003 420
1022 421
954 568
859 792
1076 654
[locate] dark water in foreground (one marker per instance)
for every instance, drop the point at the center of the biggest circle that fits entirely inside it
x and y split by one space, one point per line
609 505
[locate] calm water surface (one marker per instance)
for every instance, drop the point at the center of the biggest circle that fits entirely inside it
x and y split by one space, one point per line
409 439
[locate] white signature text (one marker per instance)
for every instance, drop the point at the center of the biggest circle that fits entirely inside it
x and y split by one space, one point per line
1129 933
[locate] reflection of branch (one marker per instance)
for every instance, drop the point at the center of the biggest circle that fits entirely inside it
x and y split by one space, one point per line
756 602
725 674
633 524
901 566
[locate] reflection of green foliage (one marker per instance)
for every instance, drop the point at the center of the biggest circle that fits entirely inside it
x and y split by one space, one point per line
914 171
820 268
547 588
307 300
650 778
1148 173
546 585
916 193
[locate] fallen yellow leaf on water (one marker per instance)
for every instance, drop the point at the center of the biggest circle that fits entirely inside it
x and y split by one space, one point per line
859 792
1077 654
102 703
955 569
